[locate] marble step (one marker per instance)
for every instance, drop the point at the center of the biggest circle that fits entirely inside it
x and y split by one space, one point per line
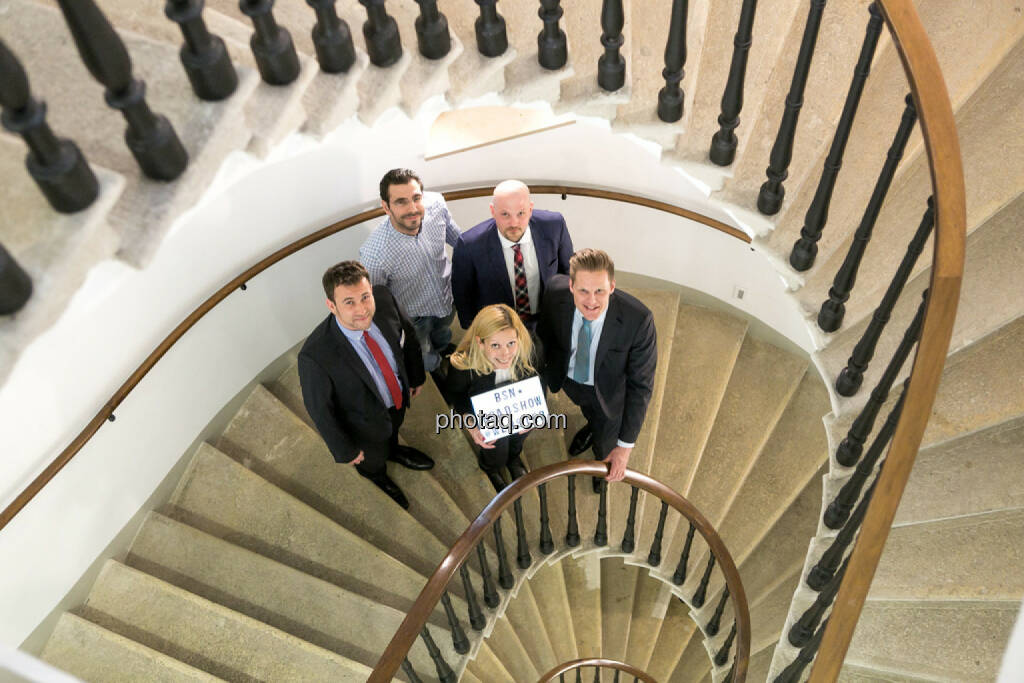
581 93
650 606
673 639
486 667
618 588
551 594
205 635
92 653
264 519
275 594
583 587
509 650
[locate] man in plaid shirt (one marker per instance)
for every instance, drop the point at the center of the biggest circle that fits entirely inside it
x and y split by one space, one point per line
406 253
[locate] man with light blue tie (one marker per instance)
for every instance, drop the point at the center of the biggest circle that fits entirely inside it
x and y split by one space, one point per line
601 348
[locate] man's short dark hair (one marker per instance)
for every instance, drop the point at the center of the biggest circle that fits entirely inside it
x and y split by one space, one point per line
346 273
397 176
591 260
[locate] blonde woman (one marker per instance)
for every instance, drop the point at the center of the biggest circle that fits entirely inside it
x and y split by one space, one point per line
496 350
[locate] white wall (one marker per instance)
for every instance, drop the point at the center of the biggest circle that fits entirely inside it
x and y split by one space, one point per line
121 314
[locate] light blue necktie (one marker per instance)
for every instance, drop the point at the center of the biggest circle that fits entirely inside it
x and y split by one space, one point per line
581 370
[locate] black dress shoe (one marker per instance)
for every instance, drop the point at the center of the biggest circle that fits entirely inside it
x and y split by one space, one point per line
596 483
389 487
582 441
516 468
411 458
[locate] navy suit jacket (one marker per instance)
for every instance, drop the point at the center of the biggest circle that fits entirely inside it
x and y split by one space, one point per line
337 389
479 275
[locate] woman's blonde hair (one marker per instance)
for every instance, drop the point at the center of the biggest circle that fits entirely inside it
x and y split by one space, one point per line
490 320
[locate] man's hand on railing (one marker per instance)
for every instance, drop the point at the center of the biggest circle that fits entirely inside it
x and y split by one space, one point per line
618 458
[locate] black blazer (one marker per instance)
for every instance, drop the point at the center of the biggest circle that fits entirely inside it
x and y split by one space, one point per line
460 385
339 392
479 275
626 353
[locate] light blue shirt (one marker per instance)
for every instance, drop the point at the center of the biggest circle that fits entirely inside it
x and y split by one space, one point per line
596 327
359 344
416 268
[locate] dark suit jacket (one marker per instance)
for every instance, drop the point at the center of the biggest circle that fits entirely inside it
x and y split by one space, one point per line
479 275
626 353
339 392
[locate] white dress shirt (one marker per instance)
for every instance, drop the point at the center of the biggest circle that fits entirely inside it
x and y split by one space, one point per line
530 265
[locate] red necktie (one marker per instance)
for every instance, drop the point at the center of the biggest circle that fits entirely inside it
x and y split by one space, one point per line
522 295
385 369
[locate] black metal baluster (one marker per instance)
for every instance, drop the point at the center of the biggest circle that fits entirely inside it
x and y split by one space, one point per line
491 37
629 536
55 164
597 674
654 557
792 673
432 35
444 672
852 375
572 529
491 597
723 143
552 48
332 39
838 511
15 284
459 640
723 653
547 543
849 449
716 619
579 675
728 676
615 678
611 67
505 578
601 530
149 136
806 248
803 630
822 572
679 577
409 672
702 590
523 558
769 199
206 61
830 317
476 615
670 98
380 30
271 44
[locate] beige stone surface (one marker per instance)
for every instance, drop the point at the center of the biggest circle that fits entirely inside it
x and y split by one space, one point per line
206 635
549 592
979 472
650 604
529 620
676 630
487 667
509 650
329 99
914 637
90 652
275 594
693 663
583 586
618 587
768 612
857 674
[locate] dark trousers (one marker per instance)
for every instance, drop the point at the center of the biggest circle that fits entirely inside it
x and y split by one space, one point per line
505 448
375 453
605 428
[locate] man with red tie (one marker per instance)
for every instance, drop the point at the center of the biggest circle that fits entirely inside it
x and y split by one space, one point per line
359 369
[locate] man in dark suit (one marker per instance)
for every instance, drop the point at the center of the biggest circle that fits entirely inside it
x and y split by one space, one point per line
359 369
601 348
509 258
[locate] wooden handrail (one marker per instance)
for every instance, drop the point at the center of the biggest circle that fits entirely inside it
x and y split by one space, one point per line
421 610
942 147
105 413
599 662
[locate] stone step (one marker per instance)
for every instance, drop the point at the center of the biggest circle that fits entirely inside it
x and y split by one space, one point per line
581 93
692 663
208 130
528 617
92 653
913 638
551 594
650 605
618 587
473 75
262 518
275 594
583 587
976 473
486 667
857 674
674 637
509 650
206 635
975 557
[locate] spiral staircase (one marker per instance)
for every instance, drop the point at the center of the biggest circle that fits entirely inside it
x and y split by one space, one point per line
271 563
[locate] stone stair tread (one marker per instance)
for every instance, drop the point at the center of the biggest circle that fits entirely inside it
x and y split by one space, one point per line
267 438
583 587
526 615
90 652
857 674
509 650
262 518
650 604
550 592
618 588
275 594
767 614
208 130
487 667
674 636
912 637
693 662
199 632
975 473
963 558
